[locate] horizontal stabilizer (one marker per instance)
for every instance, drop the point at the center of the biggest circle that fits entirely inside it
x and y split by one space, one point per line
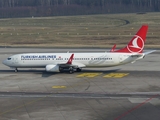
146 53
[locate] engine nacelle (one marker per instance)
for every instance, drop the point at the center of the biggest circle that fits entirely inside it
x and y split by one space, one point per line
52 68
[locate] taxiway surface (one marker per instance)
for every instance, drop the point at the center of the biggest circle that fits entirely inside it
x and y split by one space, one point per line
128 92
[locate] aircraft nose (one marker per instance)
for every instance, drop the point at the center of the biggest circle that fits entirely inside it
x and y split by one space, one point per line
5 62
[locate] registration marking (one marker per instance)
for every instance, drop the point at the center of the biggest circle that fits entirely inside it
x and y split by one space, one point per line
56 87
89 75
115 75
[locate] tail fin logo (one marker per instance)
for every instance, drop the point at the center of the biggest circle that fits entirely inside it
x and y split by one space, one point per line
136 45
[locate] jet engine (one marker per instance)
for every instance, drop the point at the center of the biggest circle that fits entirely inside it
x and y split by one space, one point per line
52 68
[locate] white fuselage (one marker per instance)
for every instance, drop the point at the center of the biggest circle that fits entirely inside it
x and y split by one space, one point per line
40 60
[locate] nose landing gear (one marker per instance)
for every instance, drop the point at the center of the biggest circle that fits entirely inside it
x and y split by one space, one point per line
16 70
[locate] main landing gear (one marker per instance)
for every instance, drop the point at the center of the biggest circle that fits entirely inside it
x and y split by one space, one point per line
16 70
61 70
71 70
78 69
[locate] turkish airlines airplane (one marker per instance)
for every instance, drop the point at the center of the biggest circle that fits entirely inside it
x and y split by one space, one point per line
57 62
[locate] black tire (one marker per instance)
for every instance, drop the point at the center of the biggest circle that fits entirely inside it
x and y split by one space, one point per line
78 69
71 70
16 70
61 70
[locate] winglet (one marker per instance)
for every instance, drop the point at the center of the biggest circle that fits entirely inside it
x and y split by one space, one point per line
70 59
113 48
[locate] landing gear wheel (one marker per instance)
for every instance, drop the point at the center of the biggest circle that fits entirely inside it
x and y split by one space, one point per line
16 70
60 70
71 70
78 69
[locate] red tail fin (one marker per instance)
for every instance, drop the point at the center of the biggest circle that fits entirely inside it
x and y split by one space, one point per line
136 44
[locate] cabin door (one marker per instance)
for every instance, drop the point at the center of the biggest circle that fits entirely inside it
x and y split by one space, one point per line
120 58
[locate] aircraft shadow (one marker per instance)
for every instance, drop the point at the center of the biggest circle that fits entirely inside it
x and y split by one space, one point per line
48 74
103 71
20 71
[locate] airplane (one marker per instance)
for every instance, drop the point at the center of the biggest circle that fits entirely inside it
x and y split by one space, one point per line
58 62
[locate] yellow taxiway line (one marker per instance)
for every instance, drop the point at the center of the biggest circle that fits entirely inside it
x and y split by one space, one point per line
89 75
115 75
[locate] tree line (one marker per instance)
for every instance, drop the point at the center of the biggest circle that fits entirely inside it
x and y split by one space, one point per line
26 8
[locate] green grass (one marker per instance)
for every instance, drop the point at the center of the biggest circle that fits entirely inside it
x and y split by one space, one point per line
78 31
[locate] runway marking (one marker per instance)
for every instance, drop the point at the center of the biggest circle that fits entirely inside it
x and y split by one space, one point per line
32 102
115 75
136 107
56 87
89 75
24 105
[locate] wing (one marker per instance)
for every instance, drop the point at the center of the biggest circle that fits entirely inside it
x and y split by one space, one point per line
69 63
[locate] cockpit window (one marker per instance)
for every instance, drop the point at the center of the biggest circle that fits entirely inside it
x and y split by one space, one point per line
9 58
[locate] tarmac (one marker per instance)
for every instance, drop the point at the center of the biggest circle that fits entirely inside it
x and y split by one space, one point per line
127 92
